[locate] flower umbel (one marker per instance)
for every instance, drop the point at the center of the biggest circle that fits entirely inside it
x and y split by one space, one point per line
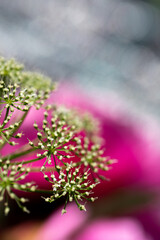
10 177
91 155
52 139
73 185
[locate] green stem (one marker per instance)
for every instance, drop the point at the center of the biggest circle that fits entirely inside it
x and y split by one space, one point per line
29 161
76 201
16 155
22 120
7 112
47 169
33 160
37 190
66 203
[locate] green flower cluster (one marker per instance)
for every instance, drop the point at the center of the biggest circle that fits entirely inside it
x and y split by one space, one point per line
10 177
60 143
10 71
52 139
67 142
72 185
18 93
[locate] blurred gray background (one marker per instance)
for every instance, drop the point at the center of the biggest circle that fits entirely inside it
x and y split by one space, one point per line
110 48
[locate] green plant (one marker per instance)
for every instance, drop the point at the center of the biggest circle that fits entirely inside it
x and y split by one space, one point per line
66 142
